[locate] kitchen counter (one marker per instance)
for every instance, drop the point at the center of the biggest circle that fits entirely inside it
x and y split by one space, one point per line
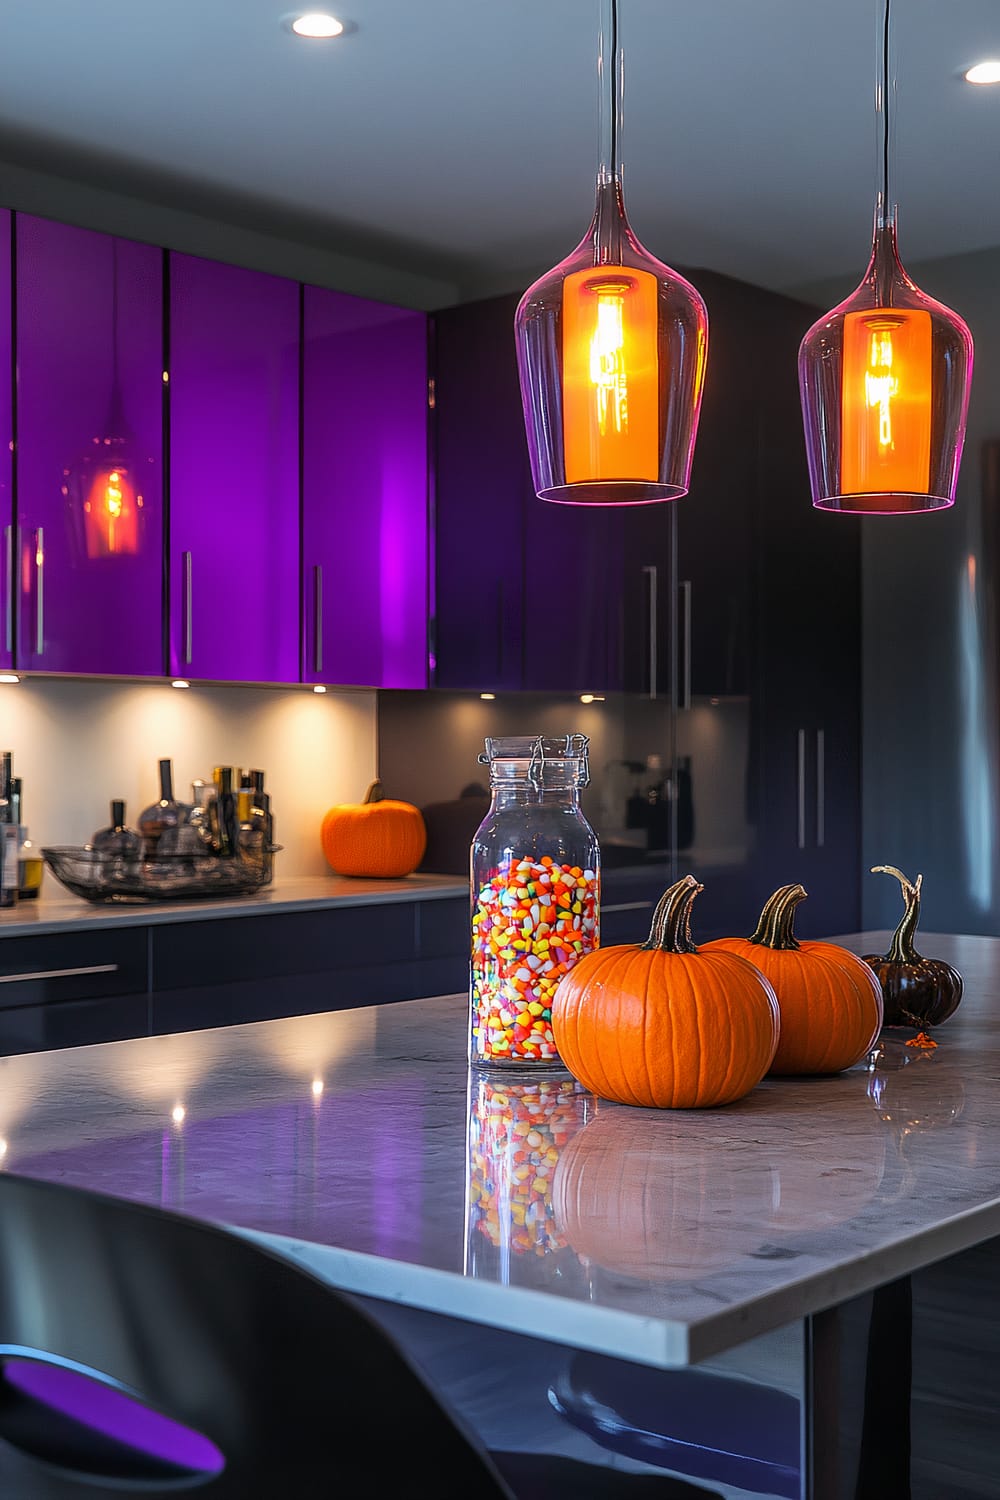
57 910
668 1236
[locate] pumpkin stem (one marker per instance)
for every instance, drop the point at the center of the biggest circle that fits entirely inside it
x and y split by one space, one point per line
373 794
902 950
774 930
671 929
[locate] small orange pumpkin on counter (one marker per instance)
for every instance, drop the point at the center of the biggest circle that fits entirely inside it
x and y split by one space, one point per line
663 1023
831 1002
377 837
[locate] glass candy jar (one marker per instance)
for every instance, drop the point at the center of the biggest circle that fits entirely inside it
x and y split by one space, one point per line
535 896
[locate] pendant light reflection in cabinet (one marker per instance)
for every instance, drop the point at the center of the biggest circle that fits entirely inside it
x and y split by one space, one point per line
104 489
884 378
611 346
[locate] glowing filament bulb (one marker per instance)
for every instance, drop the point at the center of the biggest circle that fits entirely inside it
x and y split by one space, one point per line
886 401
607 360
113 495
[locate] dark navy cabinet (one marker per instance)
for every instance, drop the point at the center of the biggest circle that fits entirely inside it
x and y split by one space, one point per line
729 619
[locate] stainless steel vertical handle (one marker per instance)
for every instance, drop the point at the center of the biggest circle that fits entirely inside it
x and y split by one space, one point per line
8 566
39 591
317 618
820 788
650 572
686 592
802 789
186 558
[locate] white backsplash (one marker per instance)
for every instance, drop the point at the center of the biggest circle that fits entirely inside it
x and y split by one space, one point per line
79 743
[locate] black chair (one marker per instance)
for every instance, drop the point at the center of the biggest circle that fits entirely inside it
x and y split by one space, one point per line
143 1352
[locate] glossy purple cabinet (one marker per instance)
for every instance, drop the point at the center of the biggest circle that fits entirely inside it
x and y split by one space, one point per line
365 506
234 473
6 451
89 540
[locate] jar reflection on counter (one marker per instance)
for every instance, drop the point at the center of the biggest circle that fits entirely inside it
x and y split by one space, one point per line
516 1133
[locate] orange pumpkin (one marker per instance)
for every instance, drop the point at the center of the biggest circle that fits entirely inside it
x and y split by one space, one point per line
831 1002
663 1024
377 837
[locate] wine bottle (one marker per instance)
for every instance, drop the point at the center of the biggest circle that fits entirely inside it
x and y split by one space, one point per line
117 838
159 822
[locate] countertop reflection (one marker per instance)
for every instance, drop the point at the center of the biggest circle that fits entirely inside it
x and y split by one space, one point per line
360 1139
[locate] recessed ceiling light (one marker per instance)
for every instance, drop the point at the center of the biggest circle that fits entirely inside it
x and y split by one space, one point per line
984 72
318 25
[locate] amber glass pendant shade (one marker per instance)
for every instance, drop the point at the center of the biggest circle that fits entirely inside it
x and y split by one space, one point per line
611 348
885 376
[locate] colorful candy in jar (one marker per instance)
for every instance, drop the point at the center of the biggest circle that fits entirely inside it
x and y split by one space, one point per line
516 1132
533 919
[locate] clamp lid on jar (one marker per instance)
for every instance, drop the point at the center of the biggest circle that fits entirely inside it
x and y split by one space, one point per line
545 762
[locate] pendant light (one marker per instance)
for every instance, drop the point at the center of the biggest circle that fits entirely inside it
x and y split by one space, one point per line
611 346
885 376
102 487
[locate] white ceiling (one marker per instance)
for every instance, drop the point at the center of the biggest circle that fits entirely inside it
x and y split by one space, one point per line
458 137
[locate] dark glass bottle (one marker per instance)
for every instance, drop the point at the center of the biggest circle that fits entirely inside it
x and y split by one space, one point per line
30 864
261 814
159 822
117 838
8 834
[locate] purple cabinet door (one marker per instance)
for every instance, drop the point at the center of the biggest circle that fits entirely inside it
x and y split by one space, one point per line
6 452
89 451
234 473
365 513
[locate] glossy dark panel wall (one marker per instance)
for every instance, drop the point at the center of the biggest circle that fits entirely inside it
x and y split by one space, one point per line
86 302
365 539
234 473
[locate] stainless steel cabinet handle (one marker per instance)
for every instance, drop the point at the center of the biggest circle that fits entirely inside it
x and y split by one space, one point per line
317 618
59 973
39 591
820 788
188 565
650 572
685 592
8 564
626 906
802 789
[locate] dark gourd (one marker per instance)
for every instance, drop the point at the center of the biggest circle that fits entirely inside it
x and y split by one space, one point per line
916 991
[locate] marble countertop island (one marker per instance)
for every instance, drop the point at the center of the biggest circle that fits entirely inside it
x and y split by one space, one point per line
357 1143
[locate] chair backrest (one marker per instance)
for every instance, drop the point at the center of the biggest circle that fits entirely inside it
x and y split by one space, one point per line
145 1348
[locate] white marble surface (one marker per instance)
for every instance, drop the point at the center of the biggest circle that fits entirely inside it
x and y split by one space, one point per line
669 1237
57 910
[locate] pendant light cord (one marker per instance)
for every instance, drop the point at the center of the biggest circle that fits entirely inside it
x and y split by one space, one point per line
885 111
615 90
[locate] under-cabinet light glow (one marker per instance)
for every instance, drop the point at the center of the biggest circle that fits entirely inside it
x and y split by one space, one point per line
317 25
3 1150
180 682
318 688
487 697
984 72
591 697
9 677
177 1114
317 1087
